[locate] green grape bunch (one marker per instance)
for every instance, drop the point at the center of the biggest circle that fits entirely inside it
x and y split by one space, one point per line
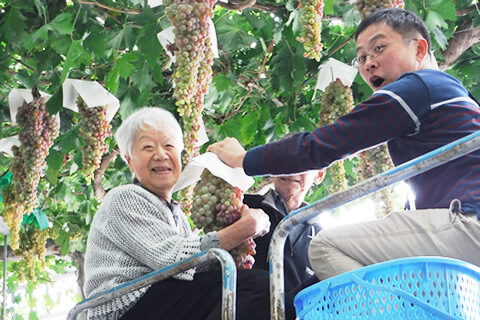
311 13
365 7
33 248
373 162
94 130
216 205
337 100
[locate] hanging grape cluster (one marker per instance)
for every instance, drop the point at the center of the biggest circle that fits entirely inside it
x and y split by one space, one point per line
38 129
193 72
32 248
94 129
373 162
311 18
365 7
216 205
337 100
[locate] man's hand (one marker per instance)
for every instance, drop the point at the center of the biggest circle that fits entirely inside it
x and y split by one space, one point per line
229 151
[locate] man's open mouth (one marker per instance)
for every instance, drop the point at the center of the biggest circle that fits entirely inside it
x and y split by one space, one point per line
377 81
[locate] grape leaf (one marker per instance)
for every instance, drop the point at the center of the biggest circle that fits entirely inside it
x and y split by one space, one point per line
438 11
222 83
248 127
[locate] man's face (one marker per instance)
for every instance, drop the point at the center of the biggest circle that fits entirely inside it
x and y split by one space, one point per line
387 55
295 185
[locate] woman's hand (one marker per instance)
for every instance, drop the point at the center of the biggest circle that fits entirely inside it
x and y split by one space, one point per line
257 219
252 223
229 151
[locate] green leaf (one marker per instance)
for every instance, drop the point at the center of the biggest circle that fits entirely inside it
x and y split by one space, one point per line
231 35
62 24
299 69
5 180
114 40
69 141
13 23
438 11
123 67
52 175
54 159
157 73
64 241
76 56
221 82
440 38
248 127
149 45
142 78
128 102
328 7
55 102
96 42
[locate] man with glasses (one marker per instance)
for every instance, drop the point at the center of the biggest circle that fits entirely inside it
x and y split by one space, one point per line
416 108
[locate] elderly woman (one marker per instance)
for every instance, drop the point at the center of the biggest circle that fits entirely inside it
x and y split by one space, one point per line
139 228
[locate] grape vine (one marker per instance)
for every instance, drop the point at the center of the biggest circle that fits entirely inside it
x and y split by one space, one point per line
193 73
216 205
311 18
94 129
337 100
365 7
37 131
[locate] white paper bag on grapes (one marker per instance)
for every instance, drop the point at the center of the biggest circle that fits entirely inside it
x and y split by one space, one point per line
17 97
218 199
6 144
92 93
166 38
332 70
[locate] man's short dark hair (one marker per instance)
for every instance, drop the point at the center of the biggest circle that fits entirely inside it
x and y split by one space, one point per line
402 21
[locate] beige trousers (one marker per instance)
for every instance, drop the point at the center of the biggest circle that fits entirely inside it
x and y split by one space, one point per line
401 234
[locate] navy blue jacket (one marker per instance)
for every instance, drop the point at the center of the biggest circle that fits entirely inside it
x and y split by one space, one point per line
297 270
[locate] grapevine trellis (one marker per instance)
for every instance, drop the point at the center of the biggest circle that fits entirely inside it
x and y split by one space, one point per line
255 93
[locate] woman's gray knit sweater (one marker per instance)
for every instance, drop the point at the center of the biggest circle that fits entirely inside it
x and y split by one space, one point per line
133 233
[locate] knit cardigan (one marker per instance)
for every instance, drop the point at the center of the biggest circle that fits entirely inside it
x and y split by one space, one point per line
134 233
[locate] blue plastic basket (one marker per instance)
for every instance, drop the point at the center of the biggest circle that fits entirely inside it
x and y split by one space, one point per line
408 288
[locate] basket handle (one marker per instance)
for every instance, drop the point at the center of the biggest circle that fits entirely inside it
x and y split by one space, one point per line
406 296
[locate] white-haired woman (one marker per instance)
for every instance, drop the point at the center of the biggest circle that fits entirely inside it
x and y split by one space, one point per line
139 228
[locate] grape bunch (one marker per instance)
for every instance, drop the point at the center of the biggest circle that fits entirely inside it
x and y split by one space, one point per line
311 18
337 100
12 214
373 162
193 72
365 7
243 254
37 131
94 129
32 248
216 205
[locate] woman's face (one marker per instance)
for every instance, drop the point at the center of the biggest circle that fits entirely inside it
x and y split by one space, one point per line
156 160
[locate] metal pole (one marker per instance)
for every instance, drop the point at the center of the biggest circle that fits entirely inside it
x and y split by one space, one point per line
229 279
407 170
4 274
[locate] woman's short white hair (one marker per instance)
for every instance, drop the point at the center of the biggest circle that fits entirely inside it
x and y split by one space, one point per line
145 118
